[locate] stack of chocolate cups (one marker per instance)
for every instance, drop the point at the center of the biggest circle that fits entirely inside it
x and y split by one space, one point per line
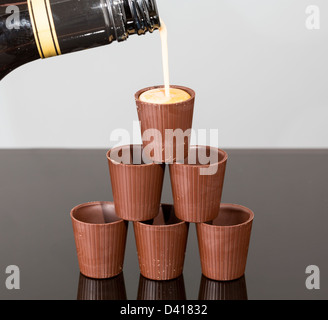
161 230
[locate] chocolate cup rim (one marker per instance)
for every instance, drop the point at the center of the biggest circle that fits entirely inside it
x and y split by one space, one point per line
235 206
162 226
203 165
128 164
92 203
190 91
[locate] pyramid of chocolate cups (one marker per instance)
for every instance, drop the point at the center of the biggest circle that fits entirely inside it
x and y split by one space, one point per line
161 229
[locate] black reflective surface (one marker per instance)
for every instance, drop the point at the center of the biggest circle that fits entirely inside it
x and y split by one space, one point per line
286 189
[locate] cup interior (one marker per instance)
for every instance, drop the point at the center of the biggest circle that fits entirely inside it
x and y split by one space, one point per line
166 216
204 156
96 213
128 155
231 216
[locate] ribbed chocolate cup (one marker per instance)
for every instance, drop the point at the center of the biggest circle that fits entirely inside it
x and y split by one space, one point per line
161 290
161 245
101 289
196 187
222 290
100 238
223 243
157 120
136 183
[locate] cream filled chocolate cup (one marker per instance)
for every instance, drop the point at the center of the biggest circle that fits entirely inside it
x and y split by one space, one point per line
166 123
161 245
223 243
100 238
136 183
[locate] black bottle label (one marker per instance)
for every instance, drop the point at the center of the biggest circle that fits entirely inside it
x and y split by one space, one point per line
44 28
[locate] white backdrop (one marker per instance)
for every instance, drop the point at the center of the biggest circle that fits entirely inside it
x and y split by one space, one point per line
259 73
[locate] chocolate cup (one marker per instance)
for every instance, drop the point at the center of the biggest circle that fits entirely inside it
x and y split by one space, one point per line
101 289
196 195
155 119
137 188
100 238
223 243
161 245
222 290
161 290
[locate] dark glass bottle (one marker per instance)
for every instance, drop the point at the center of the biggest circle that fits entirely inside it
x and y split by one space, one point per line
33 29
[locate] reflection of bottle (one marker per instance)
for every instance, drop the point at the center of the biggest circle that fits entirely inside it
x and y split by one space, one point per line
161 290
223 290
104 289
30 29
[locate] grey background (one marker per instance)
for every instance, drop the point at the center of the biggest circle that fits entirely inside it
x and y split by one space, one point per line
259 73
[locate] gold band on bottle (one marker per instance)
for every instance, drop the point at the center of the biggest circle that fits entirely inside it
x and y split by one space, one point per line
43 28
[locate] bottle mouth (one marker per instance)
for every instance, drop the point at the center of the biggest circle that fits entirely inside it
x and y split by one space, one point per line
131 17
145 15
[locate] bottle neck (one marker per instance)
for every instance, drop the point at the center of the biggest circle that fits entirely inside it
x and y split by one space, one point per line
75 25
53 27
138 16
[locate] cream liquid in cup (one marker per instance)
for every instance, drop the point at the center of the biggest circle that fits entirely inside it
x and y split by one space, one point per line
158 96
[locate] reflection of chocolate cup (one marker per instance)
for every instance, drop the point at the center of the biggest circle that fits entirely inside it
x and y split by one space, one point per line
197 184
161 290
223 290
161 245
100 238
159 121
136 185
223 243
101 289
